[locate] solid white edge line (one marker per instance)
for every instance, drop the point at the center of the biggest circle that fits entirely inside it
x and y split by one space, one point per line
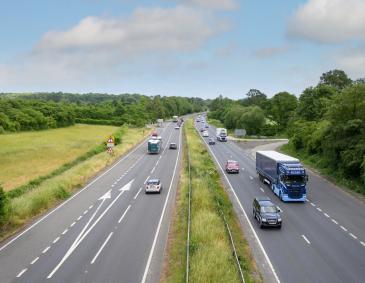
140 189
162 215
244 212
21 272
34 260
101 248
125 212
72 197
305 239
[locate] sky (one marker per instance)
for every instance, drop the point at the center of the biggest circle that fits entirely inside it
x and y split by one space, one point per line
194 48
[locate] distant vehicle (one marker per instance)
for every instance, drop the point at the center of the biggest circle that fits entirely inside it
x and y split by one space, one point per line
266 213
173 145
154 134
206 126
221 134
284 173
154 145
211 141
205 134
177 127
153 186
175 119
197 120
202 130
232 166
159 122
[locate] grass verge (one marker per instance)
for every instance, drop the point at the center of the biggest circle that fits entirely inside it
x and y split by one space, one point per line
314 162
211 255
50 192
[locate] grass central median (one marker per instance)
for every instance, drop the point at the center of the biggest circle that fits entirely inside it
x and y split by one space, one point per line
211 253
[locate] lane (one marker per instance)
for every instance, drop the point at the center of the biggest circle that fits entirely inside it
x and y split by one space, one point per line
331 254
94 226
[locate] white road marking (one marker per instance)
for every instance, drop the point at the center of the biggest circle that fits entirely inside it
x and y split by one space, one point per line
79 217
146 179
162 215
83 234
153 169
262 190
352 235
113 185
72 224
319 209
85 211
64 232
325 214
362 243
22 272
312 204
245 214
46 250
334 221
101 248
127 187
73 196
140 189
125 212
305 239
343 228
91 206
251 177
56 240
34 260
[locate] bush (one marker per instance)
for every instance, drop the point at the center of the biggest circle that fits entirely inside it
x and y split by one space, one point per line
4 206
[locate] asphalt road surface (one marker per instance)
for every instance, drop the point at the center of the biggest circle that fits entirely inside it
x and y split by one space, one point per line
322 240
110 231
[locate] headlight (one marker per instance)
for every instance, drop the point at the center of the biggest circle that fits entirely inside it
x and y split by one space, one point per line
263 219
279 219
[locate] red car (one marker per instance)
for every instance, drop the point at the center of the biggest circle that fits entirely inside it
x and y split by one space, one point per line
232 166
154 134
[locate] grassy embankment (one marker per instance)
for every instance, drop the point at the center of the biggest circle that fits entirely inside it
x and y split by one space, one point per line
315 162
60 160
211 256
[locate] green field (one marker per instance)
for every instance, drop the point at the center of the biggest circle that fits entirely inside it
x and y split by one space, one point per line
28 155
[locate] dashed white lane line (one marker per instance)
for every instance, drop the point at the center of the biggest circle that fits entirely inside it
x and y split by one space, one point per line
85 211
251 177
262 190
125 212
305 239
153 169
79 217
72 224
140 189
22 272
46 250
353 236
312 204
146 180
362 243
334 221
113 185
343 228
91 206
101 248
56 240
64 232
34 260
319 209
325 214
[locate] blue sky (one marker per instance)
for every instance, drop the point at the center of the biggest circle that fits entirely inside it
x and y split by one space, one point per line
178 47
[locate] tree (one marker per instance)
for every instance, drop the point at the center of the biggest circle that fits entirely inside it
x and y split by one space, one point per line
335 78
252 120
283 106
254 97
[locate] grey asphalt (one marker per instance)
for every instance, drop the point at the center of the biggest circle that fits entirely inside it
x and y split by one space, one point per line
322 240
88 238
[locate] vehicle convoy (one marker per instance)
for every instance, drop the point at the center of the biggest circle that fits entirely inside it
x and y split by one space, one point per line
232 166
285 174
154 145
153 186
266 213
221 134
175 119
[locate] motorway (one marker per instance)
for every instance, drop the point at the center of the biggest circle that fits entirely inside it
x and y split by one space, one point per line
109 231
322 240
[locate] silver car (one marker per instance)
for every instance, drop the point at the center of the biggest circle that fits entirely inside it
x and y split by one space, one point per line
153 186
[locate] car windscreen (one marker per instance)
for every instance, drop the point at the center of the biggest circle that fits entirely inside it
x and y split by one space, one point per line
269 209
153 182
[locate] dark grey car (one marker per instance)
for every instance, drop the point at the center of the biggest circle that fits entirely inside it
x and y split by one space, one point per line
266 212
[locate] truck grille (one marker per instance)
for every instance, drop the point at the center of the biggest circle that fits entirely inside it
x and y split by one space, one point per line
295 193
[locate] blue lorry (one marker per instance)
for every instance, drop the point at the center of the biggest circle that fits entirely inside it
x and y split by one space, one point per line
285 174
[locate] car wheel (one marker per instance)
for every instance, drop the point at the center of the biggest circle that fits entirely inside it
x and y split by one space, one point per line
279 227
261 225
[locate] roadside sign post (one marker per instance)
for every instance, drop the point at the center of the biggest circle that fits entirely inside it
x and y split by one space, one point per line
110 144
239 132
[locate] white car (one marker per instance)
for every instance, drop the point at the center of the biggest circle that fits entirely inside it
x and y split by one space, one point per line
153 186
177 127
205 134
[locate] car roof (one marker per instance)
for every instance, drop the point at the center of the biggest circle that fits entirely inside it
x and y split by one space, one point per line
232 161
153 181
172 143
263 199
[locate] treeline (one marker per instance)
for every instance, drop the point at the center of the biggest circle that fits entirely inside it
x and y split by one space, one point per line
36 111
326 124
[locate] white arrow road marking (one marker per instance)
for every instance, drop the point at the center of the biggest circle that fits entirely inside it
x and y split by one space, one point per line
83 234
127 187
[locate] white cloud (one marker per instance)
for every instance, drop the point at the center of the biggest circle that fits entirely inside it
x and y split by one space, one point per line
329 21
352 61
270 52
214 4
